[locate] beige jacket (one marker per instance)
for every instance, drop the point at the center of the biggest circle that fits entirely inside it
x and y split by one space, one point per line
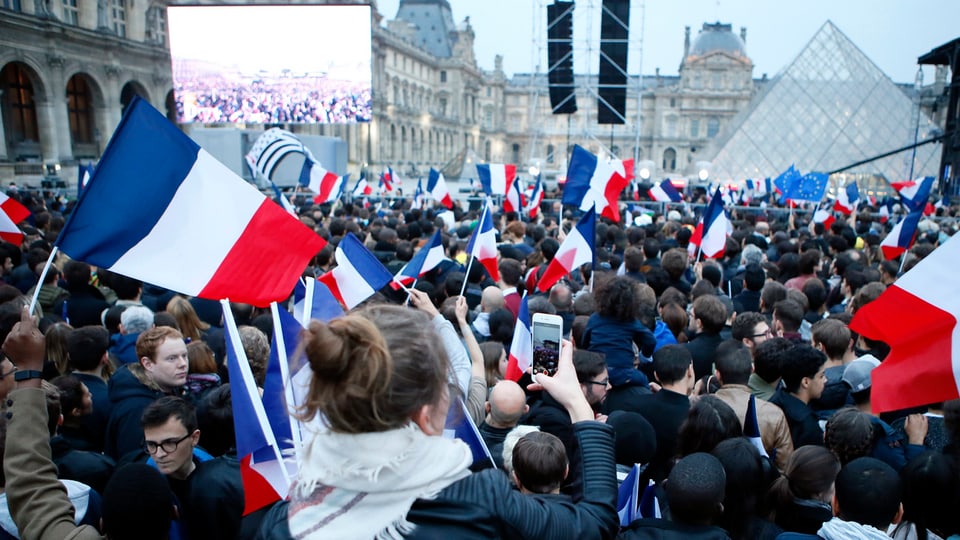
774 430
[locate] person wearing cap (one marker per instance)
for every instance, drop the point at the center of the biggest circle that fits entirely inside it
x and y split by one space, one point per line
890 447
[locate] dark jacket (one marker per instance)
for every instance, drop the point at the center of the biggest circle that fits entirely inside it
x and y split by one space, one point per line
123 348
701 348
90 468
804 426
486 505
128 398
665 410
214 497
83 307
746 301
803 516
662 529
94 425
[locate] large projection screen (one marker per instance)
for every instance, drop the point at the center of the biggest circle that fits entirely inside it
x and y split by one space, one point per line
271 64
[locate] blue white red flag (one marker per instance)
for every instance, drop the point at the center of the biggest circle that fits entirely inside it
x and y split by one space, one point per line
327 185
460 426
313 300
437 187
11 213
751 427
576 250
902 236
483 244
84 172
358 273
280 199
418 196
665 192
513 200
924 346
387 179
847 199
265 475
628 502
649 504
914 193
252 250
495 177
535 199
426 259
825 217
711 233
595 182
521 348
362 188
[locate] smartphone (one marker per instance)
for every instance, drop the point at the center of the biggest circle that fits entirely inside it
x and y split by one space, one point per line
547 339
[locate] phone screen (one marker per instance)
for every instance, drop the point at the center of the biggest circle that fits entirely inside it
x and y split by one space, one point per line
546 347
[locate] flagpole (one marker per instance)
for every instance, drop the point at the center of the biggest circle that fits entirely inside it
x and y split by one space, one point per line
466 275
903 260
43 275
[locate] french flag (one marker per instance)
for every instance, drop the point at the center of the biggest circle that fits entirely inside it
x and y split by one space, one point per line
418 195
496 177
901 237
665 192
627 497
327 185
513 201
428 258
521 348
924 361
387 179
597 183
914 193
312 300
281 200
649 504
437 187
483 244
358 273
847 199
711 233
362 188
535 199
751 427
84 173
576 250
11 213
155 190
825 217
265 475
459 425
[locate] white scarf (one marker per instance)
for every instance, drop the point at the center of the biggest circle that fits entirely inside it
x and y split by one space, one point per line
362 485
838 529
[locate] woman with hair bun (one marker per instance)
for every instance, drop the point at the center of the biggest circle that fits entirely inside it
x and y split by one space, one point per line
381 470
802 496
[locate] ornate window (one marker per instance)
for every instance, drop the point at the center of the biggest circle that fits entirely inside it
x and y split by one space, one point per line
118 17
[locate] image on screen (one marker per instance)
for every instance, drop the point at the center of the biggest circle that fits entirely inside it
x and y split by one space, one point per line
546 348
271 64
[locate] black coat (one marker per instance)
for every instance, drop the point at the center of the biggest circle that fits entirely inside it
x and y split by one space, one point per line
803 422
83 307
666 411
486 505
661 529
128 398
89 468
701 348
214 500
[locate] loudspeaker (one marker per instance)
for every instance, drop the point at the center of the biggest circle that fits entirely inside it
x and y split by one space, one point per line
614 37
560 57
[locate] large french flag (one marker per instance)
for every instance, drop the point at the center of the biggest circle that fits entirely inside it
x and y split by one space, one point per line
914 193
495 177
158 201
11 213
847 199
535 198
597 183
428 258
437 187
327 185
665 192
576 250
483 244
924 361
711 233
513 200
521 348
313 300
901 237
265 476
358 273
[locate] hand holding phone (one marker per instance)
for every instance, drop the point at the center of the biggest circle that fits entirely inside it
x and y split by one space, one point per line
547 339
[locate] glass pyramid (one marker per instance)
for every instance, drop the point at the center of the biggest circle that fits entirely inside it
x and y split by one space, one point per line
829 108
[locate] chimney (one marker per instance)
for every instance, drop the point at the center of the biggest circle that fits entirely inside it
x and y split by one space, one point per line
686 41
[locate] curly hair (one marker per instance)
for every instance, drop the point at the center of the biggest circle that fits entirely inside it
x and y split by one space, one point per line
849 434
618 298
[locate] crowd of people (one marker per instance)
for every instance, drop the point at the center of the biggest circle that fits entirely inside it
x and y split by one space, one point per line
119 423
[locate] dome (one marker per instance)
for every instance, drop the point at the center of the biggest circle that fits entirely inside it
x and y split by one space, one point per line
717 37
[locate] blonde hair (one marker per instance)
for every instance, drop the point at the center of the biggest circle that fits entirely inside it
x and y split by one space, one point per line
55 345
187 319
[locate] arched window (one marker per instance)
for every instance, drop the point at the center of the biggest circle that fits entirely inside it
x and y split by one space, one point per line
128 91
80 110
21 130
670 159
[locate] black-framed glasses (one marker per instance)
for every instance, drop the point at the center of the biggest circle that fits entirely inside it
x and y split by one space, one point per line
4 375
604 382
169 445
768 333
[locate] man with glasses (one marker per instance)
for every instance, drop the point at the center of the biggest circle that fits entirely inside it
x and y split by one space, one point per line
751 329
170 435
